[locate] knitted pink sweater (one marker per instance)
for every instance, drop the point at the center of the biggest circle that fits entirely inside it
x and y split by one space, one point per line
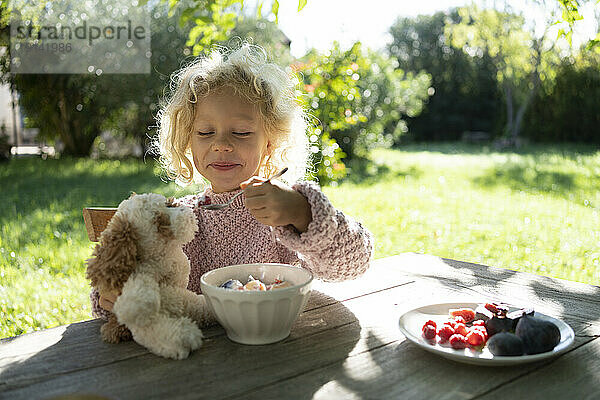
334 247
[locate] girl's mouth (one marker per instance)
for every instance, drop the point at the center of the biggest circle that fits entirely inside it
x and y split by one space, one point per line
223 166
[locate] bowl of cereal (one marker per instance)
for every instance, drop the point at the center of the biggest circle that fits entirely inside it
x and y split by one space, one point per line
257 303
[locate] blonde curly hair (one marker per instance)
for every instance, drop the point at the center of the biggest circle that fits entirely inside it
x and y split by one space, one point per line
247 71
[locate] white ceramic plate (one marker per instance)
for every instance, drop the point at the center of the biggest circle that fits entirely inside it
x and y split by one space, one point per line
411 324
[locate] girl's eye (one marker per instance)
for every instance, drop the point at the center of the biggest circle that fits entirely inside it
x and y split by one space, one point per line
204 133
242 133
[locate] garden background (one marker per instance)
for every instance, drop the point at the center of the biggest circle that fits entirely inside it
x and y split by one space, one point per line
472 135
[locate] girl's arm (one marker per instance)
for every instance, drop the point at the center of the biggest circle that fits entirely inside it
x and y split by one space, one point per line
334 247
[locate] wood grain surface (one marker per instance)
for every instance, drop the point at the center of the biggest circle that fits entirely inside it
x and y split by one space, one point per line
346 344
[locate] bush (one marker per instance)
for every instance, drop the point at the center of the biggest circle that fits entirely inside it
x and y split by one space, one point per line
358 101
567 109
4 147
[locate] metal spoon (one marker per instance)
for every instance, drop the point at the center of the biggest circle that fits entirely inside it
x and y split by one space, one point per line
223 205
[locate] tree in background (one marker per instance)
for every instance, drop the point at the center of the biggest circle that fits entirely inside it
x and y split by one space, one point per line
464 95
141 94
521 60
76 108
70 108
358 100
215 20
566 107
266 34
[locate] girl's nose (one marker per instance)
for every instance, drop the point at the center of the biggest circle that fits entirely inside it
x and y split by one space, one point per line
221 143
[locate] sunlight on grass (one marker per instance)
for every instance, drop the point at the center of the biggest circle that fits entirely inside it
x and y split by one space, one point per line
535 210
43 242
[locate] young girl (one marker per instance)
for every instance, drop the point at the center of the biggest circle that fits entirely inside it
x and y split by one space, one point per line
234 120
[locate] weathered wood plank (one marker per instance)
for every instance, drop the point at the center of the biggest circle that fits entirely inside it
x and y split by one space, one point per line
77 339
66 348
323 341
337 348
380 276
398 369
19 380
574 376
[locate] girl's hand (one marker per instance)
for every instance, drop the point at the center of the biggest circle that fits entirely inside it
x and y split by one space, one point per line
276 204
107 300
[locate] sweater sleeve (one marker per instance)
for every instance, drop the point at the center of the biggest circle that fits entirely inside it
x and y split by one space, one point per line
335 247
97 311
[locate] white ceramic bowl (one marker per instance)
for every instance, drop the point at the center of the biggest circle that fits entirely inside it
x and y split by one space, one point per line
257 317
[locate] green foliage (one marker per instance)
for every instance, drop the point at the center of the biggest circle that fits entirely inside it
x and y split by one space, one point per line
358 100
139 95
500 35
70 108
566 109
215 20
394 95
266 34
43 241
521 60
332 94
570 14
75 108
212 20
465 93
4 145
494 57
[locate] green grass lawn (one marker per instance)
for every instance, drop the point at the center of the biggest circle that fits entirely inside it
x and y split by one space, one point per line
535 210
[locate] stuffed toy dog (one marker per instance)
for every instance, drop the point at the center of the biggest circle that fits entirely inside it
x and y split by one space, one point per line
140 256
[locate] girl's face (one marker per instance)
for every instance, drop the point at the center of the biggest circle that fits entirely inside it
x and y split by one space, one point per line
229 142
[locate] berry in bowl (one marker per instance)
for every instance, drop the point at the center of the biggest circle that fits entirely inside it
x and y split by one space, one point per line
263 310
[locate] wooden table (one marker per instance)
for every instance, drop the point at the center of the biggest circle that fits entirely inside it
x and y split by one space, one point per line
346 344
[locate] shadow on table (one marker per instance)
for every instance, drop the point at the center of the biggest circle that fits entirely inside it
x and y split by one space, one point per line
30 365
299 366
73 360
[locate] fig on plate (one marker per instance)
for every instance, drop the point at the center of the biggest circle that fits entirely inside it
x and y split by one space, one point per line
538 335
498 324
506 344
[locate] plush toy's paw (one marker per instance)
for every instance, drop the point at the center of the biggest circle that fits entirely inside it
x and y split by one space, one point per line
192 336
113 332
169 337
185 338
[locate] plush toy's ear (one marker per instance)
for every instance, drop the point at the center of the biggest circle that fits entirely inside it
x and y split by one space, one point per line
114 259
163 225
